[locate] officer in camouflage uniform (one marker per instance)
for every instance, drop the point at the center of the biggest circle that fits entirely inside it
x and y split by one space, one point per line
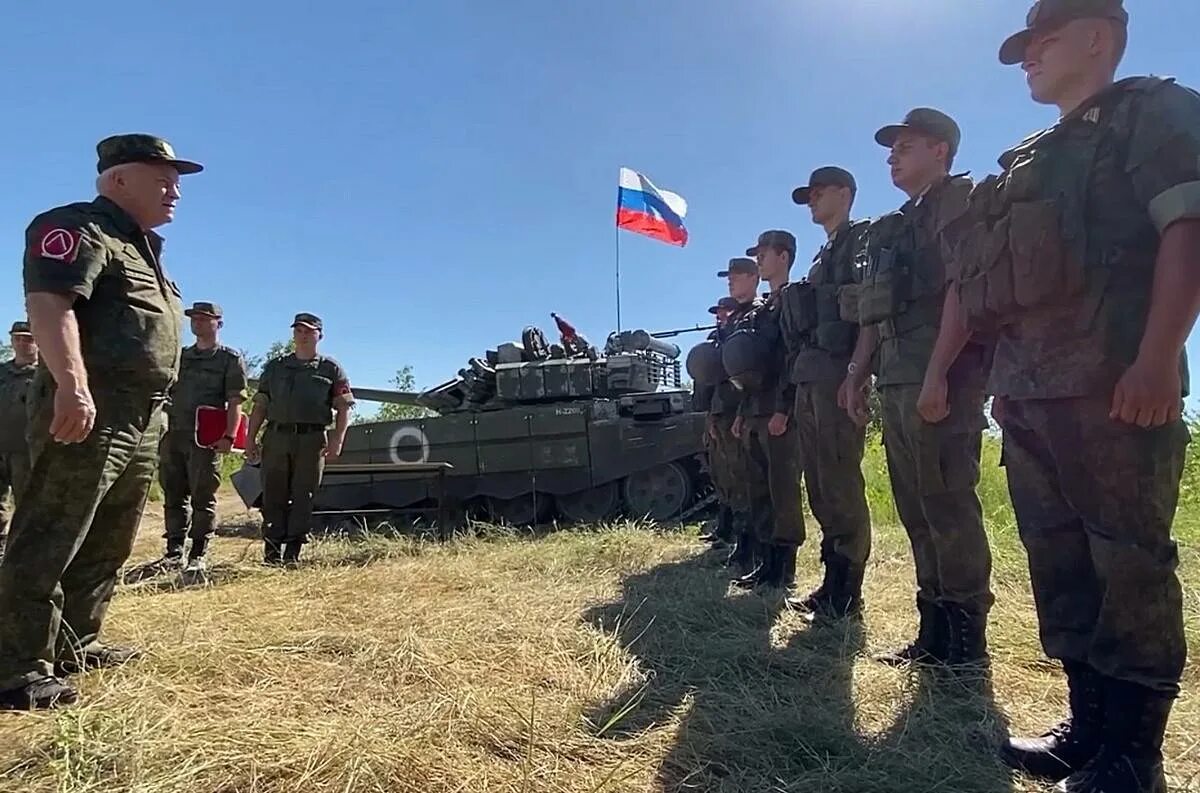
819 344
764 423
15 377
214 375
725 479
931 382
1081 256
107 321
299 396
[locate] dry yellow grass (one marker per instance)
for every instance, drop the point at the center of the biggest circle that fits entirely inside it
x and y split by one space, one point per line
613 660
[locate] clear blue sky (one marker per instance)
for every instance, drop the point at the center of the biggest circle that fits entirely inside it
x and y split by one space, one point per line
430 177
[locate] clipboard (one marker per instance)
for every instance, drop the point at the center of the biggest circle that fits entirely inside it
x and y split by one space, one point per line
210 428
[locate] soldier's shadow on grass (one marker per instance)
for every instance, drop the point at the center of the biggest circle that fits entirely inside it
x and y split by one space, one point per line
765 701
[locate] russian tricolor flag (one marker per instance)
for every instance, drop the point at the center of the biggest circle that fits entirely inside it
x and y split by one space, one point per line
644 209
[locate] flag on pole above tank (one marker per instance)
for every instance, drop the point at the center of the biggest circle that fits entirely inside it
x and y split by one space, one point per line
645 209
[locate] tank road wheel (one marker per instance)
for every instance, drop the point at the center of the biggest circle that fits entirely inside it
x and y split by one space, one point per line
527 509
658 493
594 505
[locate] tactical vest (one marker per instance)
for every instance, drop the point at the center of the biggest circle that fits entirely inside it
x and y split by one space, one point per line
1028 242
817 335
904 279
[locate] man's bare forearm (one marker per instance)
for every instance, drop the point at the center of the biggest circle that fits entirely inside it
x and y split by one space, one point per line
953 335
341 424
56 331
864 349
233 415
1175 300
257 415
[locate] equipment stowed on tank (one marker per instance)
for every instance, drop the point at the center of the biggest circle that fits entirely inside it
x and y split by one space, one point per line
535 431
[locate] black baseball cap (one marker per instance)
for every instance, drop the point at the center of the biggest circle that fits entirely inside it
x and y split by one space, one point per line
927 121
740 265
828 175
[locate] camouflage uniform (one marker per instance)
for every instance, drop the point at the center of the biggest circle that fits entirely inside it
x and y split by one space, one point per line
934 468
189 474
14 446
1071 231
76 521
819 345
300 397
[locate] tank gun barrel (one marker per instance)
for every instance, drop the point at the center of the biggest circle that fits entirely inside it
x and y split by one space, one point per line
376 395
669 334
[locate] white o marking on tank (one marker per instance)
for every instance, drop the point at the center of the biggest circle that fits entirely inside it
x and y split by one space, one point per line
415 433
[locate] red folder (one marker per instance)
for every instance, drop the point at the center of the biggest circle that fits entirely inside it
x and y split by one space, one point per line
210 428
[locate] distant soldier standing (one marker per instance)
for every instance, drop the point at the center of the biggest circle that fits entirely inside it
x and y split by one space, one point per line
107 320
1094 234
299 396
15 377
726 482
931 384
820 344
764 422
213 375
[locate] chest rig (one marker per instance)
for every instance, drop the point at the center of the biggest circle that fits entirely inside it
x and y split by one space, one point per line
810 310
1027 241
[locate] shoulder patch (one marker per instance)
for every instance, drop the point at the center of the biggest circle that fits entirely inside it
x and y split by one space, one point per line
57 242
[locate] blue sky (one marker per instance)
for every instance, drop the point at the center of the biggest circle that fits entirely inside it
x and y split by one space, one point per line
430 177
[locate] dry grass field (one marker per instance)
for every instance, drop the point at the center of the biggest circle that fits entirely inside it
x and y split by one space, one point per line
616 659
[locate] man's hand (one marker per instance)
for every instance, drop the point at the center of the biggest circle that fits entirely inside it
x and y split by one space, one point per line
224 446
738 427
253 453
778 424
711 423
333 450
852 397
1148 394
74 414
932 403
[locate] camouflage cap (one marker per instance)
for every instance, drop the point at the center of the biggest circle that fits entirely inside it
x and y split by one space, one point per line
308 321
21 329
739 265
204 308
826 176
725 303
137 147
1047 15
927 121
776 238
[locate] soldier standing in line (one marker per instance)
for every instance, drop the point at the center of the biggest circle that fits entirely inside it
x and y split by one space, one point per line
107 320
820 344
931 383
15 377
210 374
1094 233
726 482
299 396
764 422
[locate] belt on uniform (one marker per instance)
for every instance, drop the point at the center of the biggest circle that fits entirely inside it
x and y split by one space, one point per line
295 428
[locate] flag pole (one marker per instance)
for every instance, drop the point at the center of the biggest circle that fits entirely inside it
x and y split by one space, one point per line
617 229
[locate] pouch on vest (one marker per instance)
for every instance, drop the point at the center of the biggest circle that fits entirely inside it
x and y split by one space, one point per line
879 295
1043 269
848 302
985 277
799 309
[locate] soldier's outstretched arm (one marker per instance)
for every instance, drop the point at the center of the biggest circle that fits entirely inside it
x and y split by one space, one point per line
1149 393
57 333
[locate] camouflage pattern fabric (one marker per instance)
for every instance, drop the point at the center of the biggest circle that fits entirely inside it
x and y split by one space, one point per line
14 473
777 515
1095 499
736 475
831 451
73 529
292 465
14 448
189 476
934 470
206 378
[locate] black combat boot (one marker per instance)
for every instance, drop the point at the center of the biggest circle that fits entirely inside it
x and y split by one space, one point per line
840 593
1070 744
966 646
43 693
722 530
272 553
743 555
769 562
931 644
787 567
172 558
291 554
1130 757
97 656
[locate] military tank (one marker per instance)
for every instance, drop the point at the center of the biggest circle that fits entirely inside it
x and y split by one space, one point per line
534 431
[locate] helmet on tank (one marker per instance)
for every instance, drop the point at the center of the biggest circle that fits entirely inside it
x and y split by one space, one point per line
704 363
744 356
